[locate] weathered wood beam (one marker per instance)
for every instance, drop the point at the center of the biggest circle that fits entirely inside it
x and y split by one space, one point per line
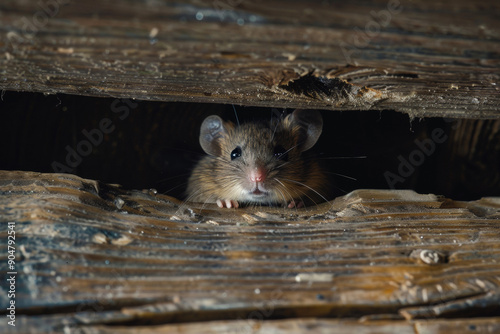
424 58
94 254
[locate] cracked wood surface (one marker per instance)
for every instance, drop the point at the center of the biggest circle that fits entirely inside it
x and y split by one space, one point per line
91 255
424 58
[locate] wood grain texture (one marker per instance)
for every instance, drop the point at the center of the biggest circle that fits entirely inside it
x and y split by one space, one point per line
424 58
92 255
294 326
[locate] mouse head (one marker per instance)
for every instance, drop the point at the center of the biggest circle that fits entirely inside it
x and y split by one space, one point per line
262 160
302 127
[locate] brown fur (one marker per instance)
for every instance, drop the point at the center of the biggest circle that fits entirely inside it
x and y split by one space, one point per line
300 178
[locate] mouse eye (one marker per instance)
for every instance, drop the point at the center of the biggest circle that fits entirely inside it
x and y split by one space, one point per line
280 153
236 153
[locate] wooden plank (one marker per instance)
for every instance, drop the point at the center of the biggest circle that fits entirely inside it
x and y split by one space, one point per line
288 326
91 254
424 58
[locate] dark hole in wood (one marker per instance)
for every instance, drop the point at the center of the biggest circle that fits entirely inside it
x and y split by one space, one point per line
156 144
316 87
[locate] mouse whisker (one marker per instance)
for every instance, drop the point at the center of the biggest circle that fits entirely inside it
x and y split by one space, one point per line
184 204
280 192
298 193
305 185
209 199
338 188
173 188
282 165
274 131
288 193
344 176
304 193
192 195
225 164
289 150
236 115
271 125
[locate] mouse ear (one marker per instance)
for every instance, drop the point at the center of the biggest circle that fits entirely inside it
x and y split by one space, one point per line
211 131
312 124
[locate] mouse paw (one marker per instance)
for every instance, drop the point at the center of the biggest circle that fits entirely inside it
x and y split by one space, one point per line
227 203
295 204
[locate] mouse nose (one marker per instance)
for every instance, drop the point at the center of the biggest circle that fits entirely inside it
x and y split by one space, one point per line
258 174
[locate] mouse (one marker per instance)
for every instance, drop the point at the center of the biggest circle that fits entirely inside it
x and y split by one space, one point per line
260 162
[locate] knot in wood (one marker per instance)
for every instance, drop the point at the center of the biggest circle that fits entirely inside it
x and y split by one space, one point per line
428 256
